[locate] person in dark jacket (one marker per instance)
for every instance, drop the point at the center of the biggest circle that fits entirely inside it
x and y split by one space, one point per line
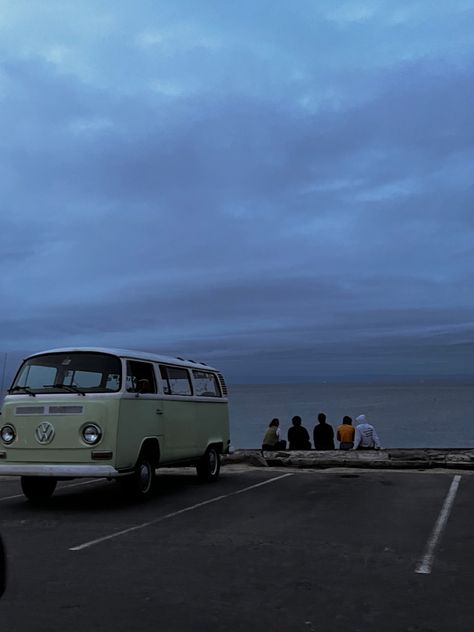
298 437
323 434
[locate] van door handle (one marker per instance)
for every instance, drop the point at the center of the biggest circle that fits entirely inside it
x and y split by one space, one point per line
159 411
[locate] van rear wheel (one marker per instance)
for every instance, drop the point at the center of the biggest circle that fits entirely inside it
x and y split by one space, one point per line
38 488
209 465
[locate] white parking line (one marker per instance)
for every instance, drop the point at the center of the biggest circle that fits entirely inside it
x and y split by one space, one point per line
59 489
86 545
424 566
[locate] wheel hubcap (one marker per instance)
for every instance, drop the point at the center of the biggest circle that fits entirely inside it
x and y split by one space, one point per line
144 476
212 462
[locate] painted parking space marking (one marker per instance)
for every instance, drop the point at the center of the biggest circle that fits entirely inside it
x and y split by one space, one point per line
425 565
143 525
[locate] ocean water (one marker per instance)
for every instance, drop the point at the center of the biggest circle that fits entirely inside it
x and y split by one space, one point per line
404 415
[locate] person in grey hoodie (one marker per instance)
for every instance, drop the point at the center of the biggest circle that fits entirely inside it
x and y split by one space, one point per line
365 436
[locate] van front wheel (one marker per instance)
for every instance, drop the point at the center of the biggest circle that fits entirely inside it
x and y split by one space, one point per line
140 484
145 476
209 465
37 488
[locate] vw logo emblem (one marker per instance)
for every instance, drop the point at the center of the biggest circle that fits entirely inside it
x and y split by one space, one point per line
44 432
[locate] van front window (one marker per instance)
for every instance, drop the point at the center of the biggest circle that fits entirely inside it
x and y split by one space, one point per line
80 372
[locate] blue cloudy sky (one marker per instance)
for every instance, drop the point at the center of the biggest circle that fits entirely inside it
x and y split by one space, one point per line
281 189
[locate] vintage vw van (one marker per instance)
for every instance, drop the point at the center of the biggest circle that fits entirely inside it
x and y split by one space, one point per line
110 413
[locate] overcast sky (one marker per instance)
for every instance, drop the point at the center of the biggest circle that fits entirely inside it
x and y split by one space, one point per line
281 189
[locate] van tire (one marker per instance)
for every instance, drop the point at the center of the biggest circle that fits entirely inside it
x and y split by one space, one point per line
145 476
38 488
141 483
209 466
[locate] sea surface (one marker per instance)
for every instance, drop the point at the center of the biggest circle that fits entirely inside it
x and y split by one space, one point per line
404 415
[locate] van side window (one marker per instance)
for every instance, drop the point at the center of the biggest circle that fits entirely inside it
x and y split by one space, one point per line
140 377
206 384
175 381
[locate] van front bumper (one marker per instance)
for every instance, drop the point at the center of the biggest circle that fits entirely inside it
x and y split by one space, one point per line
58 471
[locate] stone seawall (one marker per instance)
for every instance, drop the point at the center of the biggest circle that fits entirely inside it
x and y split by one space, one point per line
396 458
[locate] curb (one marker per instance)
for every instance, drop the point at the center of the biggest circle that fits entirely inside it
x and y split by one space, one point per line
395 459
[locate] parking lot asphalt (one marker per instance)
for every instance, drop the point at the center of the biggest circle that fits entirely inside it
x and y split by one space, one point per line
260 549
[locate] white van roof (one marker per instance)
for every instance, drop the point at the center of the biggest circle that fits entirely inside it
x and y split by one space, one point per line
127 353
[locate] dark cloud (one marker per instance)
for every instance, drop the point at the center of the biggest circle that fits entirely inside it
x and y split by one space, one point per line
276 190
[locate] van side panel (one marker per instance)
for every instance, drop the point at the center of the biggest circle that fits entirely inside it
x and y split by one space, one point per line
212 424
137 421
184 427
180 439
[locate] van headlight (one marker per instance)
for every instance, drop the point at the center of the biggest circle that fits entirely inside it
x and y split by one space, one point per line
91 433
8 434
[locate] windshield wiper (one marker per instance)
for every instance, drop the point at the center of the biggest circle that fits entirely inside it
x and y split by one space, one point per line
67 387
26 389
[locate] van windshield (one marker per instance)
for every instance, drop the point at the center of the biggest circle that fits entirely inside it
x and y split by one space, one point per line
77 372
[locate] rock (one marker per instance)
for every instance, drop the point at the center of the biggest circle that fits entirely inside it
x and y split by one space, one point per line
257 460
394 458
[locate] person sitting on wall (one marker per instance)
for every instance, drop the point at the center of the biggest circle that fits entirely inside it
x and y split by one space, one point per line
345 434
323 434
271 440
365 436
298 437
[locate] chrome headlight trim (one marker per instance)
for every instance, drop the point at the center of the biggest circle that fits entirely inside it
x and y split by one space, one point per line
91 433
8 434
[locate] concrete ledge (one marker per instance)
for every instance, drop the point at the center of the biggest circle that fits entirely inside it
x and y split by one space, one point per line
395 458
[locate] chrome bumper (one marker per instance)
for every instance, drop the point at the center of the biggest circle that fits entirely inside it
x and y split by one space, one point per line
58 471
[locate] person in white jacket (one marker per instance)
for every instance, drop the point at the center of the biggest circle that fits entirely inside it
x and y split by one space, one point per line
365 436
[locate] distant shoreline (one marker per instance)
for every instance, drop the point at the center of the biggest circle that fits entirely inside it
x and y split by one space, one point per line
369 381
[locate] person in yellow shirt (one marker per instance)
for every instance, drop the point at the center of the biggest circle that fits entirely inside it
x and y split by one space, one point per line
345 434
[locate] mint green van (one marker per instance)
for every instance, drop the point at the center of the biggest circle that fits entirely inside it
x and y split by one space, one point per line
113 414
